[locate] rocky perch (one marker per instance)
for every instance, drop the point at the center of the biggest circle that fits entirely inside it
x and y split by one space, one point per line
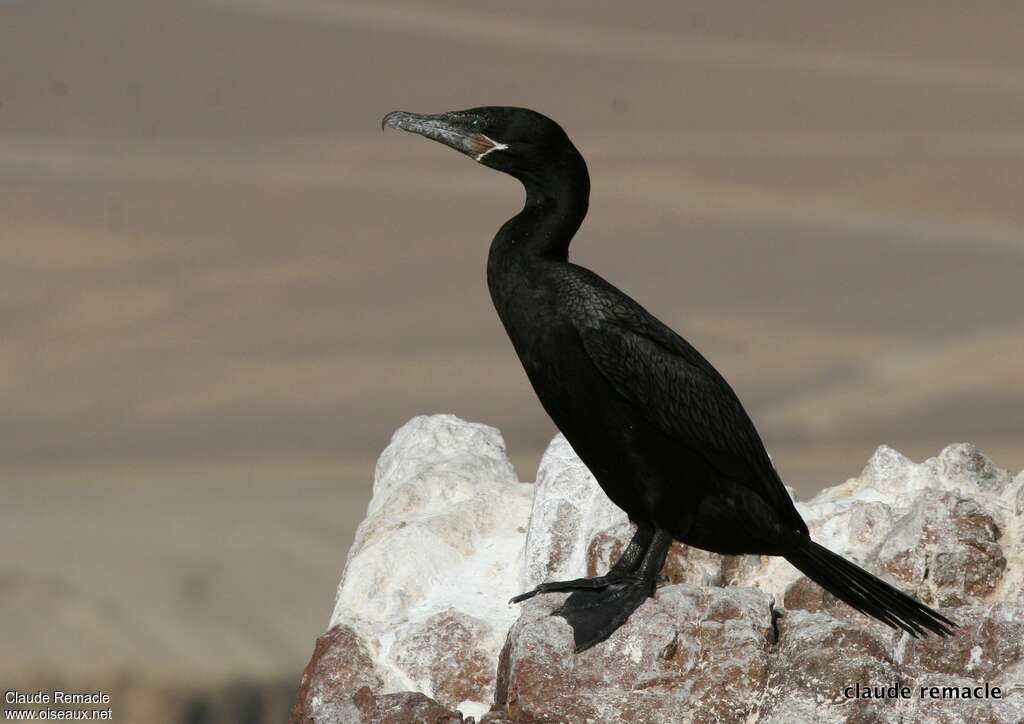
422 632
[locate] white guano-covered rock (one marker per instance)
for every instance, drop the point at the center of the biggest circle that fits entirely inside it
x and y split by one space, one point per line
432 567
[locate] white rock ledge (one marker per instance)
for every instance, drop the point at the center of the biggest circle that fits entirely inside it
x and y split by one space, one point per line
451 534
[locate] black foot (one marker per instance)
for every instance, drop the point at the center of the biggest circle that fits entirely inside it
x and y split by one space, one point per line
595 614
598 606
576 584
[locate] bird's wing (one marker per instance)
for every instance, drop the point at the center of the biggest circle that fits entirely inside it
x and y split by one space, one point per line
681 394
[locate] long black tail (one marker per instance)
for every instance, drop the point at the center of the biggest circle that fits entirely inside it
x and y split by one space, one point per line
866 593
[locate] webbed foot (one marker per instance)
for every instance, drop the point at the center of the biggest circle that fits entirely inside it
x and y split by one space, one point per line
598 606
595 614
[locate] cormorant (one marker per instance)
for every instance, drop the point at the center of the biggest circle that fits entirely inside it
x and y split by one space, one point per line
660 429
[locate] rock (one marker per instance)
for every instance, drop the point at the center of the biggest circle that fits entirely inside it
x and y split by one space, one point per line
569 510
988 648
682 564
406 707
340 666
963 466
690 649
467 670
946 548
817 656
421 630
935 529
432 567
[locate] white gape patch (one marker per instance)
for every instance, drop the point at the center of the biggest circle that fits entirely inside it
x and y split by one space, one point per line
495 146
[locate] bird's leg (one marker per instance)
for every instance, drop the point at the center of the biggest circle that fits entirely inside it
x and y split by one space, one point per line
633 556
595 614
628 562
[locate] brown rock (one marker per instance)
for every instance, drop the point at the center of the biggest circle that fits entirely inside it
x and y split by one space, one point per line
803 594
340 666
816 658
333 690
407 707
954 710
988 646
806 595
946 547
464 672
689 650
710 647
692 565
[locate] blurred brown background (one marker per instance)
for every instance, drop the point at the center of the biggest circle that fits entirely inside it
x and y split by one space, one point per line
222 287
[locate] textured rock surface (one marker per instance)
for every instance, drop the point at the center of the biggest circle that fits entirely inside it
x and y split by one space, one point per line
693 648
340 666
451 535
433 565
465 673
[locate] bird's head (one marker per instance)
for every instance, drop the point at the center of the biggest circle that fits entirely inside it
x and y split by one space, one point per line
517 141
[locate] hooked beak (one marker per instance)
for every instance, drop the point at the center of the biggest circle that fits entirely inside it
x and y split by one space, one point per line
451 129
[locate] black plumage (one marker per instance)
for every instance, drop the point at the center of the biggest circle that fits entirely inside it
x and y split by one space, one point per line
661 430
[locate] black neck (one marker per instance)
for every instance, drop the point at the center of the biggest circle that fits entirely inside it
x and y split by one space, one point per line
554 209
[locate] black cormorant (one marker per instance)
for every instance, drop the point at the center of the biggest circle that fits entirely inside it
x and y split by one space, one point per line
661 430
